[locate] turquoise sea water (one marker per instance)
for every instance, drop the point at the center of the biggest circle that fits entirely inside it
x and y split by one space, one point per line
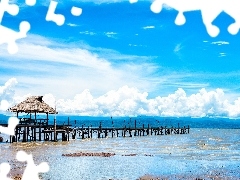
207 152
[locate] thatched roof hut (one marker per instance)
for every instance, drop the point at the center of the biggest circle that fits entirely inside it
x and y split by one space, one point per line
33 104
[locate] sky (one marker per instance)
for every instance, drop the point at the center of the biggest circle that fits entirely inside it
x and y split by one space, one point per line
121 59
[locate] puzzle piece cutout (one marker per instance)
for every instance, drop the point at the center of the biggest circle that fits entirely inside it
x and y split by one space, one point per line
210 9
59 19
31 171
7 35
30 2
4 170
133 1
75 11
12 9
12 123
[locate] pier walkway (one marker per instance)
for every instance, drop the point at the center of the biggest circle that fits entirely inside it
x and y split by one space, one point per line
38 132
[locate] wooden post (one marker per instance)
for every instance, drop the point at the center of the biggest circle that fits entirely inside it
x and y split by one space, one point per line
130 132
99 129
161 131
112 128
55 129
47 116
148 132
165 130
68 132
63 137
88 132
44 135
40 138
27 133
98 133
35 118
16 133
91 132
35 133
106 133
143 129
82 132
24 135
135 127
178 129
74 134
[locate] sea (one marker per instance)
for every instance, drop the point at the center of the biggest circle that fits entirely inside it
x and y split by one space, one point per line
210 151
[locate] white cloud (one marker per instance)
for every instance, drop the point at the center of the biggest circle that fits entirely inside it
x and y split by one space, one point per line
88 33
128 101
109 1
149 27
50 100
68 66
132 45
219 43
177 48
110 34
133 1
6 94
222 54
72 25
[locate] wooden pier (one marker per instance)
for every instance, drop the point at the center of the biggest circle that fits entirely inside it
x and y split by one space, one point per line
33 128
31 132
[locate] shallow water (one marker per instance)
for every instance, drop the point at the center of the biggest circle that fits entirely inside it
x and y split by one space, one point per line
204 153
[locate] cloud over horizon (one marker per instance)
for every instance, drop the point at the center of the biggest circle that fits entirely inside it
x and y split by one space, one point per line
7 93
129 101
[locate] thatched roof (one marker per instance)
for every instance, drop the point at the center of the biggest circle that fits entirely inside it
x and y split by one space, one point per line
33 104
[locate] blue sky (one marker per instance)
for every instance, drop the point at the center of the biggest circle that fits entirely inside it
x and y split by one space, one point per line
115 44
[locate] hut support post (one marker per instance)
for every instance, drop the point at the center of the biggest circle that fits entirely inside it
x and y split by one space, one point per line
35 120
39 133
55 130
47 116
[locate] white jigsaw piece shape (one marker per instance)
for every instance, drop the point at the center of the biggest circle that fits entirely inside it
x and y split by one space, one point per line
133 1
76 11
210 9
7 35
59 19
30 2
4 170
31 171
12 9
12 123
